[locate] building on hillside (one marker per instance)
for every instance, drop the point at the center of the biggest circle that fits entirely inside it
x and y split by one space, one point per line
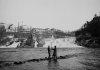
38 30
24 29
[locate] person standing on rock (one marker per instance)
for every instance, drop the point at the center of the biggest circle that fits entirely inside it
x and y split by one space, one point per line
54 52
49 52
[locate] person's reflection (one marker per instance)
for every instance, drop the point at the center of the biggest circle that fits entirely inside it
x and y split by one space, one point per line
53 65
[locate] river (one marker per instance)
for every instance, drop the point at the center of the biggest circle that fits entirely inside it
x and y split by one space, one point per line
78 59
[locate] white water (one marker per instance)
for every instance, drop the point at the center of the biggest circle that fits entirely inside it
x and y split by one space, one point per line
14 45
61 42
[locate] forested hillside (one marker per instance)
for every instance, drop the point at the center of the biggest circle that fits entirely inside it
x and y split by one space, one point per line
89 34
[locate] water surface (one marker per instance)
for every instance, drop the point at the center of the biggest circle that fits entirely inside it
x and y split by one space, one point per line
79 59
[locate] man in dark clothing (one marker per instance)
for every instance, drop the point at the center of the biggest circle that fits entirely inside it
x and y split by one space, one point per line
55 52
49 52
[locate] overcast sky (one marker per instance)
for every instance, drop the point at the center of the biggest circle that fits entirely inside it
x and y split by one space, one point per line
60 14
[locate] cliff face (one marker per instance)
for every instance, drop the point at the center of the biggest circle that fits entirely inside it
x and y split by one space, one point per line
38 35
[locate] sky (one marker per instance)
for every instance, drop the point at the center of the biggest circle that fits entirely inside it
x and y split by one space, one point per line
67 15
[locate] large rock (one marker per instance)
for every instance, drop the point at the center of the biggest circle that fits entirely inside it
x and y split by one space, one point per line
39 35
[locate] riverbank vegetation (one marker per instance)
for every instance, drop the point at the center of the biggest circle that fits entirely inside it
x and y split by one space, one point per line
89 34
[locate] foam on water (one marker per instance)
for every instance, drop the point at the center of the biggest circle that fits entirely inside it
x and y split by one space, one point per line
61 43
14 45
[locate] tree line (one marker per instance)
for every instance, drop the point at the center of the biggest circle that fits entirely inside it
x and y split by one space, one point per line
89 34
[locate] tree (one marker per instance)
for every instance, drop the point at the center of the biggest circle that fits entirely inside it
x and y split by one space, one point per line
2 31
89 31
